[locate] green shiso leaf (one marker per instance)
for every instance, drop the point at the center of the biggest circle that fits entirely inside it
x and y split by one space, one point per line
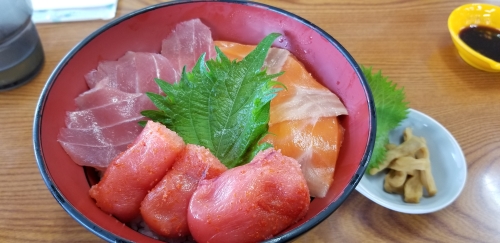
390 109
221 104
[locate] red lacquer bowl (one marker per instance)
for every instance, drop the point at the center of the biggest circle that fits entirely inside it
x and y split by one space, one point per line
244 22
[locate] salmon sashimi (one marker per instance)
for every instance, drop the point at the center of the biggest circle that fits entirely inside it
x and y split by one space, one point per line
273 63
134 172
165 207
303 120
249 203
304 97
315 144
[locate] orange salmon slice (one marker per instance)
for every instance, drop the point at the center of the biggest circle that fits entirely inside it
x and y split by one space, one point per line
303 119
315 144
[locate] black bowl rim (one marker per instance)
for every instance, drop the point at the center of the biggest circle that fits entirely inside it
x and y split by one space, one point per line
110 237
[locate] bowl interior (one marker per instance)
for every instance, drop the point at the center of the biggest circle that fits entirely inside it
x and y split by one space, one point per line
448 167
143 30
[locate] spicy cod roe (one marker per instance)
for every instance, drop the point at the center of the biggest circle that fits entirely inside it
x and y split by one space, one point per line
134 172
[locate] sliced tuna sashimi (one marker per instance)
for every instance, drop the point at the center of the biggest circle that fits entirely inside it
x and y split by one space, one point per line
165 207
95 76
117 93
134 72
111 114
187 42
134 172
98 146
249 203
101 96
106 70
315 144
150 66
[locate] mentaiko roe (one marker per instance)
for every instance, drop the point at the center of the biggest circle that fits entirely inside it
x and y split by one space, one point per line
137 170
165 207
249 203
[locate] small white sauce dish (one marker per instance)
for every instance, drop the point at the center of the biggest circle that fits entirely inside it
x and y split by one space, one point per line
448 164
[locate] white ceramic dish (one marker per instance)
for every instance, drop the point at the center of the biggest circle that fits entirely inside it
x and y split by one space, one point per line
448 164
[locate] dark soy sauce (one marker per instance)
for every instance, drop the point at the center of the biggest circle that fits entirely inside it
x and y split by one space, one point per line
485 40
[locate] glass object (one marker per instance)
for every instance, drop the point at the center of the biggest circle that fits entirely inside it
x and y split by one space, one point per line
21 52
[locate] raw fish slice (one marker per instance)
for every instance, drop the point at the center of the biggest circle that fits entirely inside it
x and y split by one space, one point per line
123 133
274 61
108 70
102 96
165 207
306 103
124 76
108 115
187 42
303 98
315 144
107 73
97 157
150 66
303 90
134 172
303 120
134 73
95 76
249 203
97 147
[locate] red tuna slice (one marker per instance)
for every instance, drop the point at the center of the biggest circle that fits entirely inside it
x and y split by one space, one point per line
249 203
96 75
134 172
109 115
108 70
150 66
185 45
134 72
97 147
165 207
102 96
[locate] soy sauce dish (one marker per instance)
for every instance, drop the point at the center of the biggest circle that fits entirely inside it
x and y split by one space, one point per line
244 22
448 166
475 31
